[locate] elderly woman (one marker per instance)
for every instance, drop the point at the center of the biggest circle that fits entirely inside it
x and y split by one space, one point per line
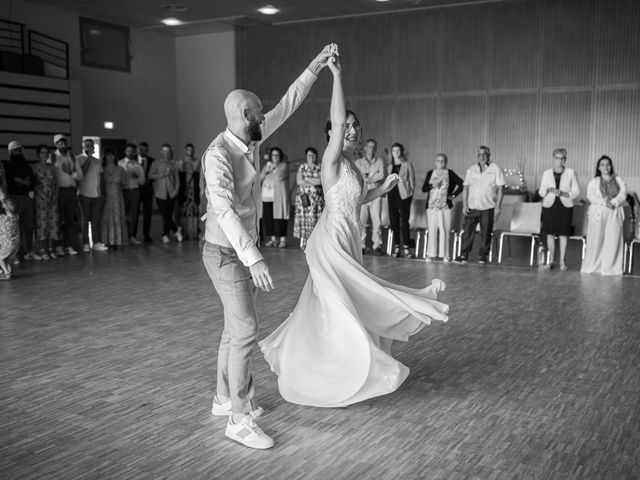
400 198
275 199
309 197
46 202
607 193
558 188
442 186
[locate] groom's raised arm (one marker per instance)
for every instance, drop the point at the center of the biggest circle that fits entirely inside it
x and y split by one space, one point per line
295 95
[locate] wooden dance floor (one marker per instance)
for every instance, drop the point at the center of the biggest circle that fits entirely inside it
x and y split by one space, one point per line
108 372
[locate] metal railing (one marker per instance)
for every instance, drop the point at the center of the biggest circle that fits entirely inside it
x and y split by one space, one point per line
11 36
51 50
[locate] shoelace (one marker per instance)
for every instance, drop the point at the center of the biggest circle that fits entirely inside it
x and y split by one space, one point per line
253 426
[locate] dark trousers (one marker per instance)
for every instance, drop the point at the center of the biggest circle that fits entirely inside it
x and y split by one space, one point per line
91 213
24 209
146 197
68 211
485 217
132 210
399 211
273 227
166 210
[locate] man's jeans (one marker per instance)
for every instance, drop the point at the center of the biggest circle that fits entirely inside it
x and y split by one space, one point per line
232 280
485 217
371 210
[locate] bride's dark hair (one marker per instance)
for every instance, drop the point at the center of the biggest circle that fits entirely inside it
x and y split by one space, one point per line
327 125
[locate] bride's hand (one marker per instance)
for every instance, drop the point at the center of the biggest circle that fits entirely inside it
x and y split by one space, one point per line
334 64
390 182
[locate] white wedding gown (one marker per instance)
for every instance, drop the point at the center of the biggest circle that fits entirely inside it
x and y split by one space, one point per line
335 348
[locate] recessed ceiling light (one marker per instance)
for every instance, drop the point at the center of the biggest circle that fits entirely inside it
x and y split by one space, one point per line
171 22
268 10
175 7
382 1
108 125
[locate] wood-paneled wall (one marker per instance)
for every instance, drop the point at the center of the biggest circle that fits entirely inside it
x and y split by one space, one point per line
523 76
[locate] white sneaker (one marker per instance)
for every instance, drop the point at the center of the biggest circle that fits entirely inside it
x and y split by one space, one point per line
247 432
134 241
86 248
224 409
71 251
165 239
53 254
179 236
100 247
44 255
60 252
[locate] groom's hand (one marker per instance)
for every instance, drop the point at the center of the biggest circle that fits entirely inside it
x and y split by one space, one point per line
261 276
322 58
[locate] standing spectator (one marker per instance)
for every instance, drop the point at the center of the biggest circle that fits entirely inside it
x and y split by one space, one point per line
442 186
113 222
275 198
134 178
46 202
309 201
482 199
191 205
146 193
400 198
21 183
164 173
558 188
373 171
607 193
68 173
9 234
90 194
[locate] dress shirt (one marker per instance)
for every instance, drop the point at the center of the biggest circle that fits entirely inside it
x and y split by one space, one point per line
165 177
89 186
483 186
230 168
70 164
131 169
372 171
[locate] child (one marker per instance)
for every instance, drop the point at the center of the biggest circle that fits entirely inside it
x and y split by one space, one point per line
9 235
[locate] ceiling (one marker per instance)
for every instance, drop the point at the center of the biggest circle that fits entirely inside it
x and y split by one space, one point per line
220 15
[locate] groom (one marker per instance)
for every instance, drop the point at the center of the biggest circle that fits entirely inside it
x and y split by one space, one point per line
230 254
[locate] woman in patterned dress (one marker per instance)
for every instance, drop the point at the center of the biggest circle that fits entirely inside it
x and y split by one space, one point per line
309 184
46 200
191 205
9 232
114 224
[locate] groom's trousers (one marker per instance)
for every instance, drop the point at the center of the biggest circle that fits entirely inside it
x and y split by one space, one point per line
233 282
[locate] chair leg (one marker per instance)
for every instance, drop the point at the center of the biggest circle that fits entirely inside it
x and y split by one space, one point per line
630 265
584 247
533 247
424 245
491 249
418 236
389 241
500 248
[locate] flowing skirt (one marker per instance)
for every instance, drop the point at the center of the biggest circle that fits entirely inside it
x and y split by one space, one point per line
335 348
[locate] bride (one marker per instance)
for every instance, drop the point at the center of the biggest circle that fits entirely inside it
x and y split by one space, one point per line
335 348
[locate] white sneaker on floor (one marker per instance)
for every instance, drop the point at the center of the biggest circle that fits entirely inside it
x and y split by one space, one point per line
86 248
224 409
134 241
53 254
100 247
44 255
248 433
70 251
60 252
165 239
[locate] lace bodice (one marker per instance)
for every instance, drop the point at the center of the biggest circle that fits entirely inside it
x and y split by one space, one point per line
344 199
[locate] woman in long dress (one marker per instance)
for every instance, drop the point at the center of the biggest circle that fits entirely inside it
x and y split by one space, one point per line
310 188
114 223
607 193
335 348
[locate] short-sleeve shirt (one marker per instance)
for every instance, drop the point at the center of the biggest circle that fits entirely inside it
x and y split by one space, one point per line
483 186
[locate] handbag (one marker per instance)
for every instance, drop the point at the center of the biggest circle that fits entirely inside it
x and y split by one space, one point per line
305 201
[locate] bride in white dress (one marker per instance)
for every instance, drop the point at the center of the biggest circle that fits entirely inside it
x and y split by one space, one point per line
335 348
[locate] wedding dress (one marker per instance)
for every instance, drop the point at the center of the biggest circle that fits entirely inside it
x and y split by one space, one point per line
335 348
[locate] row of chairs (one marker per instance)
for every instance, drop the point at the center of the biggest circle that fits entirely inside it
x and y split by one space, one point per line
517 219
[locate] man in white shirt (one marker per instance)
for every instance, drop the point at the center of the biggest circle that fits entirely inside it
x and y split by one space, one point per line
482 199
91 196
134 178
373 172
230 254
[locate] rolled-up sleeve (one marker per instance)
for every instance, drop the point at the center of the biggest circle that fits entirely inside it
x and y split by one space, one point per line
218 173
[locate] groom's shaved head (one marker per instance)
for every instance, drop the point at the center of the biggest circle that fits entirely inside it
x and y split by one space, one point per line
237 102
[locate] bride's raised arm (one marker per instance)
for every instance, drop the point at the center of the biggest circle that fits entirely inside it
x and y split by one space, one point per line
331 159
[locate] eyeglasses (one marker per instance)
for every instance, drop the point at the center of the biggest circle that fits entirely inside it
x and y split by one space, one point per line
560 158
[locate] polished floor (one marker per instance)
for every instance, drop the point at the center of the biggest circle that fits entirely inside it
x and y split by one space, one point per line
108 369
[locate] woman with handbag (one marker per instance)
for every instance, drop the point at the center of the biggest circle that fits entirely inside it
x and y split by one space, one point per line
309 197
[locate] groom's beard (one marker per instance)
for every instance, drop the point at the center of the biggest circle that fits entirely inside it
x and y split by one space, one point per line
255 133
